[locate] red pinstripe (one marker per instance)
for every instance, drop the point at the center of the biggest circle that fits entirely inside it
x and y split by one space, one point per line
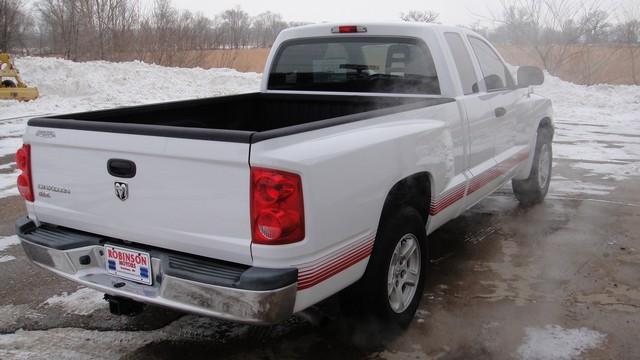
321 262
334 268
456 193
306 272
332 264
312 275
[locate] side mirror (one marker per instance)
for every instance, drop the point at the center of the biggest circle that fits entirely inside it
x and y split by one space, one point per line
493 82
529 75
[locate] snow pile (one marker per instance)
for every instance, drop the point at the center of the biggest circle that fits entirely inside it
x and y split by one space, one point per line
555 343
9 315
6 258
597 129
67 86
10 140
82 302
5 243
8 241
8 181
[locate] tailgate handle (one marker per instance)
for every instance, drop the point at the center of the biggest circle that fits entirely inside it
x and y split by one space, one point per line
121 168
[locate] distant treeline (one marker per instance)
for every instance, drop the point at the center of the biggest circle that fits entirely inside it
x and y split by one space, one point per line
557 33
117 29
565 36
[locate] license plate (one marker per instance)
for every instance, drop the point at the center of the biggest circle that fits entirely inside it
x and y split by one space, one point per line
129 264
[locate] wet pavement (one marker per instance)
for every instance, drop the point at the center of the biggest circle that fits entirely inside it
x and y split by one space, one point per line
502 278
560 280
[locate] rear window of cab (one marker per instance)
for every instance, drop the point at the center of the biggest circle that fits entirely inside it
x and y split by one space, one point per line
355 64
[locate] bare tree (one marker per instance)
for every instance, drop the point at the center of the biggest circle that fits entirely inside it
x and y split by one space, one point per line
201 32
266 27
596 26
552 28
62 18
427 16
122 23
236 25
11 14
628 33
25 33
163 19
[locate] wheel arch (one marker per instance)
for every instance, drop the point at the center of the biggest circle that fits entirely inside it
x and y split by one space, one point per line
414 191
546 124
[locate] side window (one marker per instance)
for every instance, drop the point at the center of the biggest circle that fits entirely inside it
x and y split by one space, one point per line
463 62
495 73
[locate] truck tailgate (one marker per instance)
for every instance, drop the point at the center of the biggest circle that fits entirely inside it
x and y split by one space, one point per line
187 195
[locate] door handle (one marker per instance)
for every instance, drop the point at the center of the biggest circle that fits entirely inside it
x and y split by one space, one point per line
121 168
500 111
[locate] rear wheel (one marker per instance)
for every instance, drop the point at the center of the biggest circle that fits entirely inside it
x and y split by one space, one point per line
394 280
403 274
533 189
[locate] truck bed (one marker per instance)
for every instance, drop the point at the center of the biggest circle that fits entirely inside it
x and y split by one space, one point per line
242 118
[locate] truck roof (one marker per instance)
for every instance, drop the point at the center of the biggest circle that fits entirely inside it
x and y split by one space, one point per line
387 28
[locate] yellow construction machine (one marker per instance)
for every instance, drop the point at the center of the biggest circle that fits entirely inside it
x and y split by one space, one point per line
14 89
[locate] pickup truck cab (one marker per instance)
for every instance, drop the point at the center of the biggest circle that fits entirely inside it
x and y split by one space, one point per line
362 140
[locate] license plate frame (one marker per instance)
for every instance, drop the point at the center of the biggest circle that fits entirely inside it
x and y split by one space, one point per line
128 264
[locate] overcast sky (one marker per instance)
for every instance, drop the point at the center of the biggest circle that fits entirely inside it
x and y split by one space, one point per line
452 12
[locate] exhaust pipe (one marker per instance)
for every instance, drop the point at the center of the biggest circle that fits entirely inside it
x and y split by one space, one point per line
123 306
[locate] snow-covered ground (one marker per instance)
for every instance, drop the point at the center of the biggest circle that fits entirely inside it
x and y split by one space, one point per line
555 343
6 243
597 132
84 301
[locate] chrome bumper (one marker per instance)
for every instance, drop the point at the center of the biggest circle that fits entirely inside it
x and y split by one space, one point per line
248 306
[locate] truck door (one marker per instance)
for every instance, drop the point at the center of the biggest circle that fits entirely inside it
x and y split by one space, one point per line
508 104
476 103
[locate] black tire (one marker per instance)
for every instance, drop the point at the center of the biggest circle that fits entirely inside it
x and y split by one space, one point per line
373 293
8 84
533 189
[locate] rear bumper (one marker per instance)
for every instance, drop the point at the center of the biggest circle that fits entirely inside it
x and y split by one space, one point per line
182 282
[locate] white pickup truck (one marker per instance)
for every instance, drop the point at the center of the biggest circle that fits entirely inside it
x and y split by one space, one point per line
362 141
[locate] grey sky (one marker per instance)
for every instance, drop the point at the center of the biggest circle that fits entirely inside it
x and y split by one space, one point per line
452 12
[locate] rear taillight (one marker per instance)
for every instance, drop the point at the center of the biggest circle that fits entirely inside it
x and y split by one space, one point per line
277 209
23 162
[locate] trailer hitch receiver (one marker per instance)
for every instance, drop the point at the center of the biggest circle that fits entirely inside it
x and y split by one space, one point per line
123 306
